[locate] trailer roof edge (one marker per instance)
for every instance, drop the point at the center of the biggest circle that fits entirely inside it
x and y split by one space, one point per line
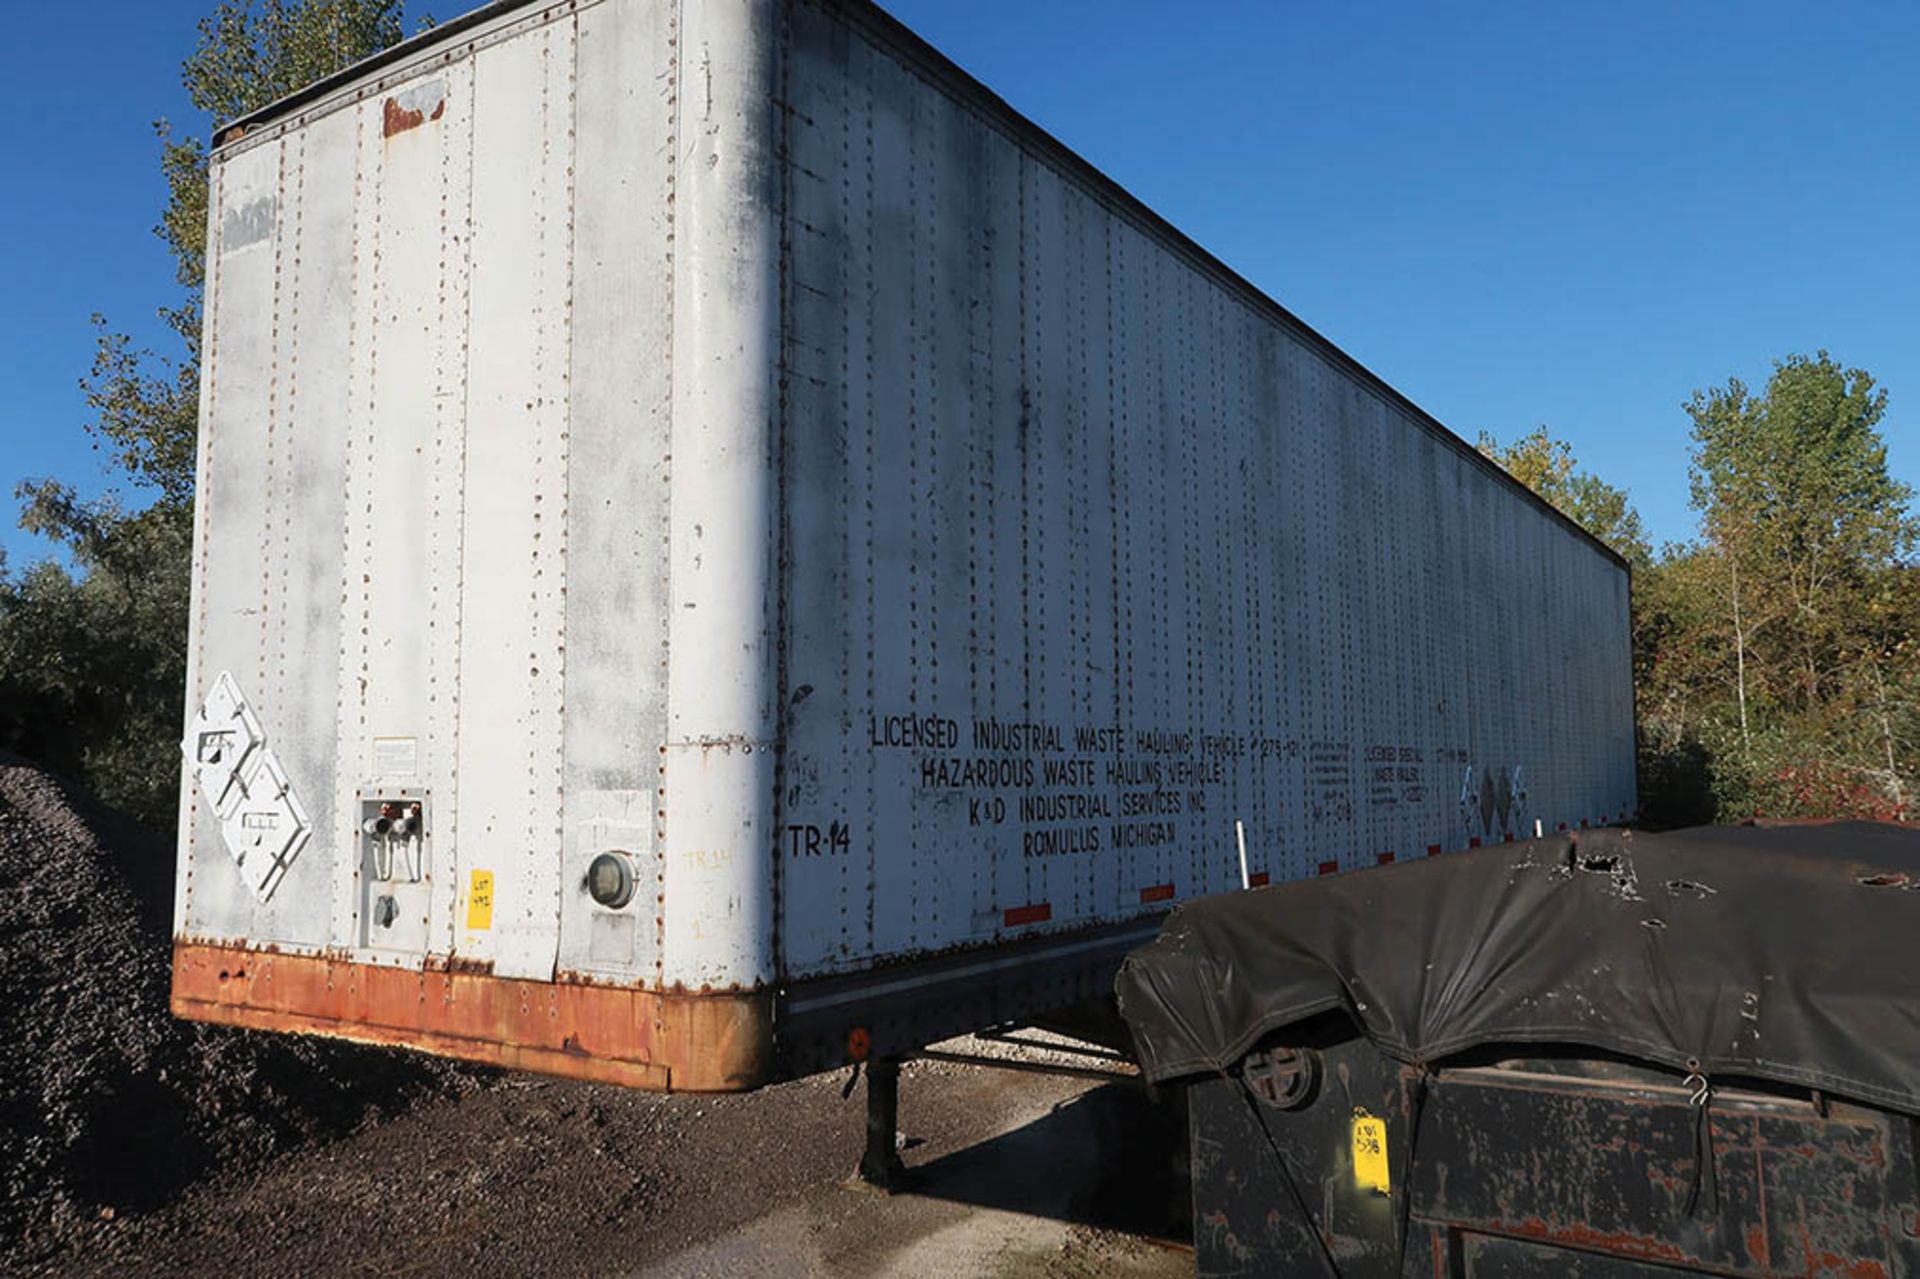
326 85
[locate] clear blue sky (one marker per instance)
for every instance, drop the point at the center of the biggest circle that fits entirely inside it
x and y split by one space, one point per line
1517 213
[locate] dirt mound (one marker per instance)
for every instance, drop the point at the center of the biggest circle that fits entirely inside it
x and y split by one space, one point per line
107 1104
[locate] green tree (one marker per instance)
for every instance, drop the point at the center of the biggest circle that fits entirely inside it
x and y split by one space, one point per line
1546 465
1796 499
92 660
1805 545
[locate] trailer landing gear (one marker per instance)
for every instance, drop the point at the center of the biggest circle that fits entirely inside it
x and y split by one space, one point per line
880 1167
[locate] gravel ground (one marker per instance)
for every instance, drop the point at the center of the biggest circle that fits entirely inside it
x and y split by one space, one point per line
131 1143
108 1106
1013 1174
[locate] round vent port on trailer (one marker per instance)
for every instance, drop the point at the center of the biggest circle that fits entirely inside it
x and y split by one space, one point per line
611 879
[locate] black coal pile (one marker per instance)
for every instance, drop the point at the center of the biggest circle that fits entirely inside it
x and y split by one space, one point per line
109 1106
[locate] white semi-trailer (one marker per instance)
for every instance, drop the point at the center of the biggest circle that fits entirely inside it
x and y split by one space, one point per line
723 550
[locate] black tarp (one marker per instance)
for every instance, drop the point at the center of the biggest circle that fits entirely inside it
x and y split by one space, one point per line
1787 953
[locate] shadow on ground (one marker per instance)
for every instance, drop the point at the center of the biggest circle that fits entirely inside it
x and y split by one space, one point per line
1111 1158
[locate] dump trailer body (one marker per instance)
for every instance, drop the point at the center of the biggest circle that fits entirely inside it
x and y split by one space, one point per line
1603 1053
723 549
1530 1165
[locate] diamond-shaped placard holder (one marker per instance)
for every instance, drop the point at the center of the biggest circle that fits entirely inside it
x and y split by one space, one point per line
224 736
261 821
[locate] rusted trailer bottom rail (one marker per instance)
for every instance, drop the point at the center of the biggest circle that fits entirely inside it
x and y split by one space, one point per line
638 1038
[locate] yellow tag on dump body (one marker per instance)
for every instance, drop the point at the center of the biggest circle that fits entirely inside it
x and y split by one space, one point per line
480 901
1370 1152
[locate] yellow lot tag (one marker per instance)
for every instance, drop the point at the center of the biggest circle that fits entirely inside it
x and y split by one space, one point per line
480 904
1370 1152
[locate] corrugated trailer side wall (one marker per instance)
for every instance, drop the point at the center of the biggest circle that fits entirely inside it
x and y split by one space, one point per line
1089 556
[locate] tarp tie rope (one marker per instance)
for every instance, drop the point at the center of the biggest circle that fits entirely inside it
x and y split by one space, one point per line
1700 1101
1286 1180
